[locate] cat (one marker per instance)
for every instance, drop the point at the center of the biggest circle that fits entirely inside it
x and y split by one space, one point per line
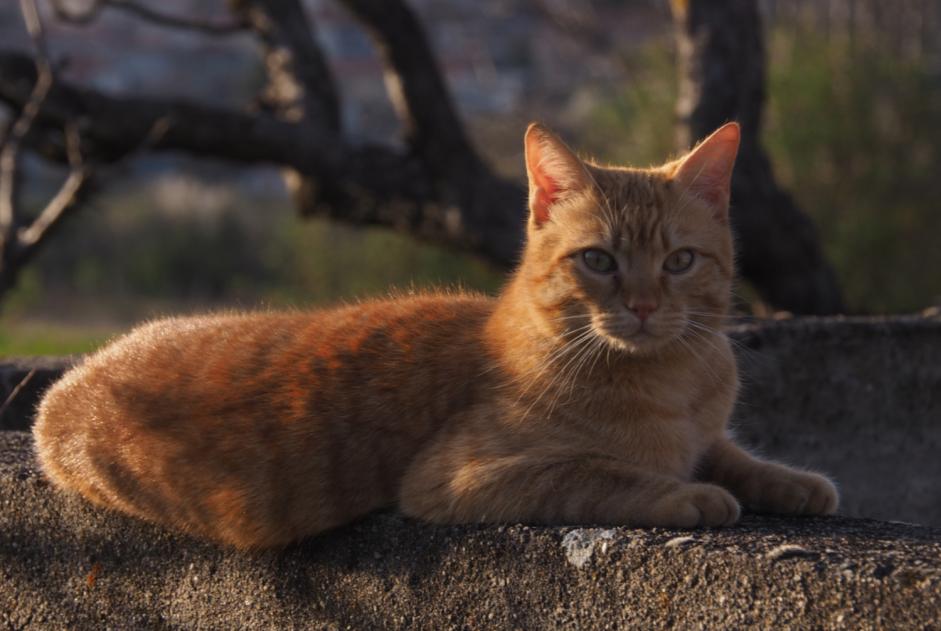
595 389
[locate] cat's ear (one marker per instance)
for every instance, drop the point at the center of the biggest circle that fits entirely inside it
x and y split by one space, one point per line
706 172
554 172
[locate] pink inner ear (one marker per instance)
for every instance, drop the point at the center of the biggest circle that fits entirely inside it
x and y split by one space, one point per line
707 171
713 191
546 195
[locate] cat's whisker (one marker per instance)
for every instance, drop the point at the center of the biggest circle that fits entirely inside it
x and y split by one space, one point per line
574 346
550 360
698 326
570 332
713 314
571 317
602 345
569 379
711 340
701 360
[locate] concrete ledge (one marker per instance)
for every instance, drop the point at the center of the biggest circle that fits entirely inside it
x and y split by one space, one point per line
64 564
858 398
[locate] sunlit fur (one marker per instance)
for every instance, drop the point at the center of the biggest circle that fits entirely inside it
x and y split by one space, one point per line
548 404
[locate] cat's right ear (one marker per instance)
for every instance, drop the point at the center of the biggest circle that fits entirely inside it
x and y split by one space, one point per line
554 172
706 172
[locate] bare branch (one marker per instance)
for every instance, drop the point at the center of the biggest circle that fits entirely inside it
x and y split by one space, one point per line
146 13
479 203
64 200
301 88
29 110
16 390
415 84
36 31
375 185
112 127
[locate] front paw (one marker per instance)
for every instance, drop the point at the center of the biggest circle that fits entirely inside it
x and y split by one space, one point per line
693 505
788 492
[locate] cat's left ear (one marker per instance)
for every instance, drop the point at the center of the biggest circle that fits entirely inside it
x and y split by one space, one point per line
706 172
554 172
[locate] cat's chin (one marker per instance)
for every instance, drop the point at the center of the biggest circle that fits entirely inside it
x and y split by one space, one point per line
639 344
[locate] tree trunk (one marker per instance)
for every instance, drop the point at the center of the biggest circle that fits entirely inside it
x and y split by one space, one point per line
722 78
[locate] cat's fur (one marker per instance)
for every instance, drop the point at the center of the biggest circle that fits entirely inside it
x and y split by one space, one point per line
549 404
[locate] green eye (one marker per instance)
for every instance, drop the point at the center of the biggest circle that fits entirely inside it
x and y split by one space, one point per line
599 261
679 261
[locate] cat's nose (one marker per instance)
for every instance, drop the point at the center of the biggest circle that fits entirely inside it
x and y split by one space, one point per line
642 308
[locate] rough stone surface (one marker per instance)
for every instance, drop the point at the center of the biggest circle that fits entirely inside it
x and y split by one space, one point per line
65 564
857 398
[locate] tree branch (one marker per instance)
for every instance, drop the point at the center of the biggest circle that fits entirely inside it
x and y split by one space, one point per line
64 200
419 94
17 247
476 201
300 86
111 127
9 154
379 185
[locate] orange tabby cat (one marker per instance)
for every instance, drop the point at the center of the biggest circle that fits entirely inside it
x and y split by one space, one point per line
595 389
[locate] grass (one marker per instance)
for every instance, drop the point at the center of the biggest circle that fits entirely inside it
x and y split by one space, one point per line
22 338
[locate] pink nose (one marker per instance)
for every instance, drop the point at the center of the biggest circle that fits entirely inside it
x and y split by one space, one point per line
642 309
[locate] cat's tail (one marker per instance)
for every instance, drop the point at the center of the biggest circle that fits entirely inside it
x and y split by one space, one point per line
61 435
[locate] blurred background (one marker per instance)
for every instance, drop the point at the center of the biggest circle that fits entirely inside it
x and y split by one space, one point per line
852 127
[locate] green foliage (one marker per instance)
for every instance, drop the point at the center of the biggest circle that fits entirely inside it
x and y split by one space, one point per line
21 338
323 262
857 137
635 124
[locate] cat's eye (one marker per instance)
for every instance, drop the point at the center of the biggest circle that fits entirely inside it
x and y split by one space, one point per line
679 261
599 261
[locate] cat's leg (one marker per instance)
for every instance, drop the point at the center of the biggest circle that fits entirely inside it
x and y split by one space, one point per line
768 486
448 486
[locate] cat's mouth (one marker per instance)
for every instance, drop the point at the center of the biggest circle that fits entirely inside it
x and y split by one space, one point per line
632 337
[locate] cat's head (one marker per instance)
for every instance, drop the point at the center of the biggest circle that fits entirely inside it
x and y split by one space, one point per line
635 257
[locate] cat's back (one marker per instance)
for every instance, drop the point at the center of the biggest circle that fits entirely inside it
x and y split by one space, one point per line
212 362
215 350
211 394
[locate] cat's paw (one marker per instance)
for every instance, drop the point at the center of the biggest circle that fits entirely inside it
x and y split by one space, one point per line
693 505
790 492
